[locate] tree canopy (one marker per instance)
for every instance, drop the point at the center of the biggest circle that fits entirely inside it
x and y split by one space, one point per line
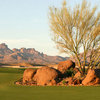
77 30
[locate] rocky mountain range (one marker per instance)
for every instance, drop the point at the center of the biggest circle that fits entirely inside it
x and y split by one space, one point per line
27 55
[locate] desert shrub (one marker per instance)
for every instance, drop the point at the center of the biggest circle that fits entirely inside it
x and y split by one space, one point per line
64 82
69 73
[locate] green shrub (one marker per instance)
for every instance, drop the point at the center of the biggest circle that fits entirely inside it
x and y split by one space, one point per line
64 82
69 73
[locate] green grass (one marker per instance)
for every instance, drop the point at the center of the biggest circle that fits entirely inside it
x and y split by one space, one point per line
10 91
12 70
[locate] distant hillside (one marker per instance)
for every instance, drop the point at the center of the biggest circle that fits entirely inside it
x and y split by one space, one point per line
28 55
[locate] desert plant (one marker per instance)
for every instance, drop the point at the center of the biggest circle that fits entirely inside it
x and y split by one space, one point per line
69 73
75 31
64 82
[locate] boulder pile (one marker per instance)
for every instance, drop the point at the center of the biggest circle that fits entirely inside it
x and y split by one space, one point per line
48 76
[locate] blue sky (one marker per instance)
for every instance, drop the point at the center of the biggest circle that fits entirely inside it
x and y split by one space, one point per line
24 23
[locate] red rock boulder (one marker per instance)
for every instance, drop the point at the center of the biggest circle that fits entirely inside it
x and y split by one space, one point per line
77 75
28 75
46 76
92 77
64 65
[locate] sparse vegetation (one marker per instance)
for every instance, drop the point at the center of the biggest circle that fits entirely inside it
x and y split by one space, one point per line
64 82
69 73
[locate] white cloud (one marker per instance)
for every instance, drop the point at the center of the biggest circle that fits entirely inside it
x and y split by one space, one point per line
41 46
18 43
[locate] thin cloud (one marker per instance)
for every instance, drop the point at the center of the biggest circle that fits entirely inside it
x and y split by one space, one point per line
46 48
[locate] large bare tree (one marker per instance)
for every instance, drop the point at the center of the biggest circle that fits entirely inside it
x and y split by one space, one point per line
77 30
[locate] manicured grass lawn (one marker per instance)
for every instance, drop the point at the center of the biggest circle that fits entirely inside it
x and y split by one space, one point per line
9 91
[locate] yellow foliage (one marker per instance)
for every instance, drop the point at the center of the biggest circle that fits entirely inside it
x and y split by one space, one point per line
75 29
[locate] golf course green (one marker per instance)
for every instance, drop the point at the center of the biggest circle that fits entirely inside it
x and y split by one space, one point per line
10 91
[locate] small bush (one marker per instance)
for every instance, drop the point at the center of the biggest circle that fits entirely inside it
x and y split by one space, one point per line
69 73
64 82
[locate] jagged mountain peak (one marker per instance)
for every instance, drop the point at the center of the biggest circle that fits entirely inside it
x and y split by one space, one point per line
27 55
3 46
